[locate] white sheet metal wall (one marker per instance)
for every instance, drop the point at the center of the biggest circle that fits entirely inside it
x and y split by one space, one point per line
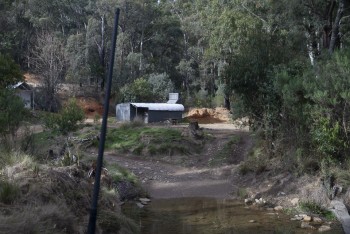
123 112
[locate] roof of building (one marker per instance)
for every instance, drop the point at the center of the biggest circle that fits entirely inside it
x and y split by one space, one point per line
160 106
21 85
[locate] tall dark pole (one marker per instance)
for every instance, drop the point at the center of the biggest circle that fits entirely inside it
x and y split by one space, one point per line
93 211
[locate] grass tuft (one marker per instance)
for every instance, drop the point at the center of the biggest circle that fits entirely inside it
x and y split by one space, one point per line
9 192
148 140
314 208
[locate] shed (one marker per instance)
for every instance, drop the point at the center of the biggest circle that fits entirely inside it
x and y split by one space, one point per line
149 112
24 91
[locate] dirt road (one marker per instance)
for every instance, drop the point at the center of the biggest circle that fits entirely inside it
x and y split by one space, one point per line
197 178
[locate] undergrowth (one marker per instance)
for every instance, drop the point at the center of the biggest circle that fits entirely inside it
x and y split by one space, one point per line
256 162
225 152
314 208
9 192
139 140
119 174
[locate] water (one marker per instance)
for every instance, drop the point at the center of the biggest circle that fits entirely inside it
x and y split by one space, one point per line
211 216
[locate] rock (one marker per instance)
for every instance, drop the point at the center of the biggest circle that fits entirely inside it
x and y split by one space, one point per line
271 213
281 194
317 220
260 201
307 218
248 201
139 205
278 208
342 214
295 201
144 199
252 221
258 196
306 225
324 228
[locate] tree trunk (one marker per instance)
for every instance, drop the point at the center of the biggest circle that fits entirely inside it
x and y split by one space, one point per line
336 26
227 103
102 51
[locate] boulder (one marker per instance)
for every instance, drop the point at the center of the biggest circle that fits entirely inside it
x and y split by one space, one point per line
342 214
295 201
307 218
324 228
306 225
278 208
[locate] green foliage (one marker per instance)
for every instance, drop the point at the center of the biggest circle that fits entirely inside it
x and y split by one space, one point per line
132 124
317 209
328 88
67 119
120 174
10 72
161 85
256 162
293 114
138 91
141 140
112 222
12 112
242 193
10 158
9 192
327 137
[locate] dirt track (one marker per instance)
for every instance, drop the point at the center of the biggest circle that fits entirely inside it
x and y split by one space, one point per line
165 180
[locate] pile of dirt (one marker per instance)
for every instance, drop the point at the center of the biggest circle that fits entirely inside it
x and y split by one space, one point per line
208 115
32 79
90 106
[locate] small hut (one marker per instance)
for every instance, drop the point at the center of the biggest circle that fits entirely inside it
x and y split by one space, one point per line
151 112
24 91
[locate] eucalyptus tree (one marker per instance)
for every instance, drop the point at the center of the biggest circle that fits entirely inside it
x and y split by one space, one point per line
57 15
49 62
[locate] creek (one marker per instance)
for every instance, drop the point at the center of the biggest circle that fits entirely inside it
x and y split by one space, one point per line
211 216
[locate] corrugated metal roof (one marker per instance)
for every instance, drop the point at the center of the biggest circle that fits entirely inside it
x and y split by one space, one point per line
20 84
160 106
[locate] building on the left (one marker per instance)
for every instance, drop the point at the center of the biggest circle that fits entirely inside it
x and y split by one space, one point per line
24 91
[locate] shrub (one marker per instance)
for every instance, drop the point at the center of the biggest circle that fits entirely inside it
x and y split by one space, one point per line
9 192
317 209
12 112
67 119
139 90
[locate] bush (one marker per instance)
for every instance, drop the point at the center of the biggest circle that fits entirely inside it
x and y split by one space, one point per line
328 89
314 208
8 192
67 119
12 112
138 91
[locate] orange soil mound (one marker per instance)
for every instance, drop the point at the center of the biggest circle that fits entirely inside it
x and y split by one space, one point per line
90 106
206 115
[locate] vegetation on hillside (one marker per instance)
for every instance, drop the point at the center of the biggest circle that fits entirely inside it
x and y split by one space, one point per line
152 141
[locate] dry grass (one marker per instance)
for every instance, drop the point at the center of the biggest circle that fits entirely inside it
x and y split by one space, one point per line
48 218
52 200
